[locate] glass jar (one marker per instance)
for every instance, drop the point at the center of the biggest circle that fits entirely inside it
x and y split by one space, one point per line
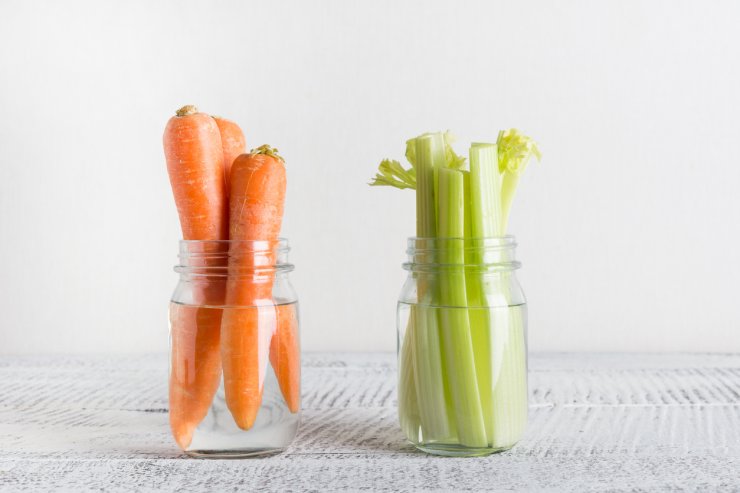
462 350
234 384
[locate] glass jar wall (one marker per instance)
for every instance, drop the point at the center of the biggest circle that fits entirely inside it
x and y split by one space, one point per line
234 386
462 326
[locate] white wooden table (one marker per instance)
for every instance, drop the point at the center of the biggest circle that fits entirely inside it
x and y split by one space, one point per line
607 422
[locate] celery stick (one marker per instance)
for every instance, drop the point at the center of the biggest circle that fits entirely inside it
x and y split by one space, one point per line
501 414
485 186
485 222
433 403
428 148
467 232
408 406
515 150
509 182
510 377
456 337
486 212
425 154
519 382
499 353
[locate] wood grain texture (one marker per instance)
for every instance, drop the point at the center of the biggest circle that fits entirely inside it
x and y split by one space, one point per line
598 422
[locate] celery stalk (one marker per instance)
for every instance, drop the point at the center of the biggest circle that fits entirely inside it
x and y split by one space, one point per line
485 217
425 154
510 378
515 150
485 187
428 149
497 333
408 406
456 337
508 347
509 181
467 231
434 405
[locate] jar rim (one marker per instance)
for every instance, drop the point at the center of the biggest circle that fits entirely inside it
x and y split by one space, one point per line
210 258
490 254
503 241
281 242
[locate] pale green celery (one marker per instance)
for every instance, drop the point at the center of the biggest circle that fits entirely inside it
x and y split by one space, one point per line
479 320
392 174
485 187
435 407
515 150
426 157
408 406
497 333
426 161
455 329
508 351
485 214
467 230
450 158
510 376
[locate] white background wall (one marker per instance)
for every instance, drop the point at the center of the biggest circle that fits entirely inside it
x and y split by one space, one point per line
628 230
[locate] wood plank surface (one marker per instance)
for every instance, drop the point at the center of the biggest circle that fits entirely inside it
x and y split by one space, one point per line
598 422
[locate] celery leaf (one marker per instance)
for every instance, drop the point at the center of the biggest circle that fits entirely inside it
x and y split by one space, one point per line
515 150
392 174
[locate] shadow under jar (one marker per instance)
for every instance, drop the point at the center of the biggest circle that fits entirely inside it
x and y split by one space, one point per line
462 350
234 381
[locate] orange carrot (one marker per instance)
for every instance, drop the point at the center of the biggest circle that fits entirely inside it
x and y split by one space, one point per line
195 371
256 212
192 147
285 355
233 143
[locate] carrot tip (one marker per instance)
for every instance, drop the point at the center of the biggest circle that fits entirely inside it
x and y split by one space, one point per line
183 434
186 110
246 421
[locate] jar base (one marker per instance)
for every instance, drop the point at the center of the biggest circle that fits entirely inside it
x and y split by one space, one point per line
233 454
452 450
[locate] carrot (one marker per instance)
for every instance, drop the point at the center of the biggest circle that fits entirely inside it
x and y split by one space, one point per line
285 355
192 147
195 371
233 143
256 212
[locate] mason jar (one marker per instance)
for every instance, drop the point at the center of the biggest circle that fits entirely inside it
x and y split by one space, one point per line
462 346
234 378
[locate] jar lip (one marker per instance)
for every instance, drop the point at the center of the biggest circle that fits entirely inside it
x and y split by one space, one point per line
258 245
211 258
492 253
506 240
222 248
215 272
484 243
483 268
